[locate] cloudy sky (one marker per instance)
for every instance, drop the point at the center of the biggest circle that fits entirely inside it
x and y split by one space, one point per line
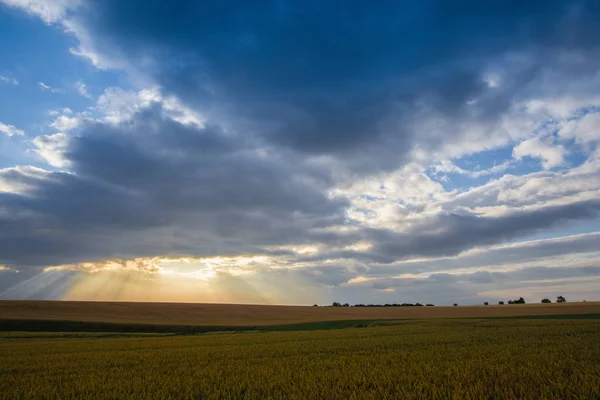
300 152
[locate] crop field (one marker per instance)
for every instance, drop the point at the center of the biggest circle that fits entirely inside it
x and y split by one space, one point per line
413 359
259 315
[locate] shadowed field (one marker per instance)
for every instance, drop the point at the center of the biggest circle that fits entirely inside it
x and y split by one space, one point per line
233 315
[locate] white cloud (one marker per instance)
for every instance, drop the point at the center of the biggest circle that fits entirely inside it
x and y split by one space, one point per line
394 200
49 88
448 166
4 79
54 113
10 130
82 89
29 177
50 11
492 80
536 189
65 124
552 155
87 48
51 148
583 130
120 105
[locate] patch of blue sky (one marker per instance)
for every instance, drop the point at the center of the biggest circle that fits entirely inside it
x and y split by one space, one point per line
592 109
576 156
485 160
479 169
36 53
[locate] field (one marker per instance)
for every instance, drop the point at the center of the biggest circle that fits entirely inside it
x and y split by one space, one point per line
432 359
258 315
70 350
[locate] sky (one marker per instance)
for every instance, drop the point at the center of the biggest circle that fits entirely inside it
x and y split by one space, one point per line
300 152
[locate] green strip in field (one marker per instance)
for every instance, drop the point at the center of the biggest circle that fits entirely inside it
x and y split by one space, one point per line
22 325
19 325
557 316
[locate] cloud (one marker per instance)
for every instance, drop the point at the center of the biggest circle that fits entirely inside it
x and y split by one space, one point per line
50 11
451 234
82 89
560 251
64 123
10 130
584 130
446 166
12 81
389 93
315 140
48 88
52 148
151 185
537 189
551 155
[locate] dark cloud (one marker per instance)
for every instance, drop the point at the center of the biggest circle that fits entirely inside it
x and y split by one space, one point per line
153 186
450 234
506 255
513 278
326 78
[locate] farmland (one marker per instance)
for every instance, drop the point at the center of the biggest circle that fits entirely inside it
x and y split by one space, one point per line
259 315
89 350
461 359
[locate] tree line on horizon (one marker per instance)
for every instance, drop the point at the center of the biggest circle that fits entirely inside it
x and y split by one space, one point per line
520 300
336 304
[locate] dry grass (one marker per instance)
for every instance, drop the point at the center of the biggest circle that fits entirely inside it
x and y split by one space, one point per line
254 315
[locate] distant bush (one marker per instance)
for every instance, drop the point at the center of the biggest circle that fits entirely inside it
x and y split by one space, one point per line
315 305
561 299
455 305
486 303
336 304
501 303
346 305
429 305
546 301
390 305
519 301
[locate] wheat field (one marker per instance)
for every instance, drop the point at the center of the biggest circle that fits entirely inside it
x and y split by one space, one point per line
427 359
261 315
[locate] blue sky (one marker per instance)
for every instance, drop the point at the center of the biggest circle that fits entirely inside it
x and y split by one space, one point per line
299 152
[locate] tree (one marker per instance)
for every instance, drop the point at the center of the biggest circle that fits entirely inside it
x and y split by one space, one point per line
486 303
429 305
455 305
561 299
546 301
520 301
510 302
336 304
315 305
346 305
501 303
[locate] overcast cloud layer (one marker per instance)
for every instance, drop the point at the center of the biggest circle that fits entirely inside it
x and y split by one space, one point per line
301 152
